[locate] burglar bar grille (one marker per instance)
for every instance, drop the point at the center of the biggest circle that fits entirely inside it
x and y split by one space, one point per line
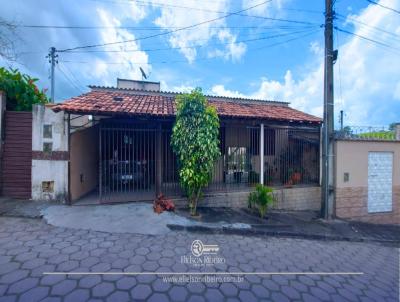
291 157
128 159
127 162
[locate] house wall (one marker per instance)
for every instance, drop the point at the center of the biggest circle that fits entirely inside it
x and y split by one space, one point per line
84 156
49 166
296 199
352 195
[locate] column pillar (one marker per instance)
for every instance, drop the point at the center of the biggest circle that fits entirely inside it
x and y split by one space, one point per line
262 154
158 160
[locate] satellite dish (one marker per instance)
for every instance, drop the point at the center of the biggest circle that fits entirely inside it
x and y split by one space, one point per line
144 76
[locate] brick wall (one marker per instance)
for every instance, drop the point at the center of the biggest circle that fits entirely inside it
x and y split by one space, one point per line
306 198
352 204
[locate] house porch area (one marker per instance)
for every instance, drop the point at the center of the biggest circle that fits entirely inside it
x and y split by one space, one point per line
129 159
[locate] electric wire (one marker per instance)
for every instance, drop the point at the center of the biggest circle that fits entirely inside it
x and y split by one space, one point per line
384 6
387 46
69 81
201 58
164 33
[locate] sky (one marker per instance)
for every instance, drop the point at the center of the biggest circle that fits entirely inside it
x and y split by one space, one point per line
272 51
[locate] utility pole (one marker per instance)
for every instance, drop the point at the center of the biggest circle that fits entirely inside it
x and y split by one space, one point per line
327 135
52 56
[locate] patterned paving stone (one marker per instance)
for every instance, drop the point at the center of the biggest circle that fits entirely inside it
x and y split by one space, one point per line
141 292
246 295
51 299
14 276
34 294
63 288
119 296
79 295
22 285
157 297
178 293
103 289
126 283
212 294
8 298
89 281
28 248
228 289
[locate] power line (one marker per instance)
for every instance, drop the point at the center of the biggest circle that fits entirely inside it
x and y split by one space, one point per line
70 82
158 4
192 47
368 39
143 28
344 18
165 33
198 59
383 6
277 29
76 81
286 41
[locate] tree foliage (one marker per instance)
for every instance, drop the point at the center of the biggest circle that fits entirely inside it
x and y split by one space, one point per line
20 89
195 142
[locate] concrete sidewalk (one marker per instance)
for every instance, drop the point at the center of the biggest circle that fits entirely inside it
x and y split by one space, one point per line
139 218
303 224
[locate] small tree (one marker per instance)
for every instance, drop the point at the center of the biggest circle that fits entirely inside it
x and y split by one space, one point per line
195 143
20 89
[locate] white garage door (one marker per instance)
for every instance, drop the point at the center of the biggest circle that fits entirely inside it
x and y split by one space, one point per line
380 167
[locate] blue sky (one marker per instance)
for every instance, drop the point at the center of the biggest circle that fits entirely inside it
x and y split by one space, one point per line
251 56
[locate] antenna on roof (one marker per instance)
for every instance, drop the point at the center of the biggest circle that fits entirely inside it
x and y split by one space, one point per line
144 76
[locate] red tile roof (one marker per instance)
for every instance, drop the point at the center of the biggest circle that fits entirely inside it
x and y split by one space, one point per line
105 101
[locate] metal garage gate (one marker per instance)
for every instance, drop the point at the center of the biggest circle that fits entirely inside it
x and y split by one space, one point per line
16 165
127 162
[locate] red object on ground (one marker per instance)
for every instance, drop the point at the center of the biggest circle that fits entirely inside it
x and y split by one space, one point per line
162 204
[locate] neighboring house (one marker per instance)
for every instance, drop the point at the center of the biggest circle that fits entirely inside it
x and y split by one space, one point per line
368 176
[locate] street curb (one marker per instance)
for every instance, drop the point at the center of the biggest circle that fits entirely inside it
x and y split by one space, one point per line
255 232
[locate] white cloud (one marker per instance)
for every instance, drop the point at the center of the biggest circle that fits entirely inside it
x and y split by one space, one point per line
188 40
267 9
107 73
232 51
366 76
220 90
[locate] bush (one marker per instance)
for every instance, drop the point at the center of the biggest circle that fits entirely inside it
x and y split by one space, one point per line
261 199
195 143
20 89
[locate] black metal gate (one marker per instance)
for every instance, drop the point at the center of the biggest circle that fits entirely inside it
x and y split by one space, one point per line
127 161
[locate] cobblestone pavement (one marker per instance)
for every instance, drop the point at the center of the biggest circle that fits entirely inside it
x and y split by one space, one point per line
29 247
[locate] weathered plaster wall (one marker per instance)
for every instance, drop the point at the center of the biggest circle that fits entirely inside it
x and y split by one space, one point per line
49 166
352 195
84 156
